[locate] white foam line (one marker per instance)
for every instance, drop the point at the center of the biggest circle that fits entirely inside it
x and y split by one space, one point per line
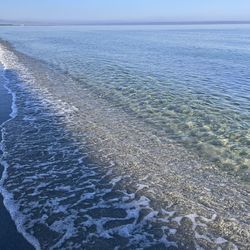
8 200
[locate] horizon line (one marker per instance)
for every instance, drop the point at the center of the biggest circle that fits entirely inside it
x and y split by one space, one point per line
119 22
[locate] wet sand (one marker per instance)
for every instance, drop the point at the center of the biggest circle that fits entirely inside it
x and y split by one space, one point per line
10 238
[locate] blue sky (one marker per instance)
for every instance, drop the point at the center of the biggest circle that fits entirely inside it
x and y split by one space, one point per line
97 10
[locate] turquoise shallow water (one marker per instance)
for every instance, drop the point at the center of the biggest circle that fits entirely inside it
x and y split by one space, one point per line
127 137
192 83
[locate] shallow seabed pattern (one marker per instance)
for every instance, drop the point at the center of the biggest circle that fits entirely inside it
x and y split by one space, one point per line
80 172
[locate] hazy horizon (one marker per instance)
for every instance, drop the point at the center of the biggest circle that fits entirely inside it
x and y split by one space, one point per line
111 11
121 22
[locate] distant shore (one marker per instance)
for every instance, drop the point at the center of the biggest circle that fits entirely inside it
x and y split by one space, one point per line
6 24
118 22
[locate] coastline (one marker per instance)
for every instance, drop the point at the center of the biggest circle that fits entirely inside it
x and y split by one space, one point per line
10 238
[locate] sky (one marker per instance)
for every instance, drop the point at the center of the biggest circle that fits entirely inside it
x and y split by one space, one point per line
125 10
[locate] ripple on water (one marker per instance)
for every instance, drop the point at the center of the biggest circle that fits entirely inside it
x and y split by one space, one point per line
70 194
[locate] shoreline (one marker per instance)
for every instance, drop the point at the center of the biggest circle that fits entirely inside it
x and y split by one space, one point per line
10 238
183 195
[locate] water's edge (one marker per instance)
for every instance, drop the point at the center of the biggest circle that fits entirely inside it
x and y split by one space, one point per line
10 237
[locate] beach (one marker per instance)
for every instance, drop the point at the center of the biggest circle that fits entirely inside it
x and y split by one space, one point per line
125 125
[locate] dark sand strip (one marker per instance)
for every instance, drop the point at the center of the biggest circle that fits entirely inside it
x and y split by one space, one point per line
10 238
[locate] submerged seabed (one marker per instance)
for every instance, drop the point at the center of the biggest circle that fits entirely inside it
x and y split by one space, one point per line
80 172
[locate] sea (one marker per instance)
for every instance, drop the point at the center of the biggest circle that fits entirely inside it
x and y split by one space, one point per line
127 137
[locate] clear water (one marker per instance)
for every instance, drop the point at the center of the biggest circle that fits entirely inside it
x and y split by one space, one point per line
192 84
166 109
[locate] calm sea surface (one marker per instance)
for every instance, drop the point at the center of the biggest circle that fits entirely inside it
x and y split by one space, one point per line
128 137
